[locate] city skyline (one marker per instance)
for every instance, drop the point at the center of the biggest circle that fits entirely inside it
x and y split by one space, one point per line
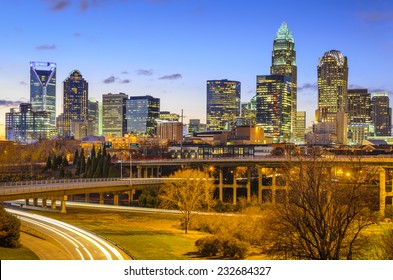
169 49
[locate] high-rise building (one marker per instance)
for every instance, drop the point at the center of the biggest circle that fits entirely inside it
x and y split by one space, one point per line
169 130
25 125
113 114
141 114
75 104
94 118
284 63
273 106
43 89
300 127
331 115
359 115
223 104
332 85
168 116
382 114
248 111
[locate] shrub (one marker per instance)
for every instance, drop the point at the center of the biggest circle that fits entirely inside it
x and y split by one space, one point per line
9 230
224 246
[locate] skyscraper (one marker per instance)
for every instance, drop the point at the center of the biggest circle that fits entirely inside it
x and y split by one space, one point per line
113 114
273 106
94 118
359 115
330 126
75 102
284 63
382 114
43 88
223 104
332 85
141 114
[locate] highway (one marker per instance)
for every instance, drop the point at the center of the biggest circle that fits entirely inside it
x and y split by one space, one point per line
77 243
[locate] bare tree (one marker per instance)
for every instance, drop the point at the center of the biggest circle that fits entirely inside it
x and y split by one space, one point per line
188 191
326 211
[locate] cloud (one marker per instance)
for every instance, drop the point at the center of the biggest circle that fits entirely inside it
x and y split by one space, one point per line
58 5
9 103
308 86
77 34
110 80
46 47
83 5
144 72
23 83
373 90
171 77
124 72
376 16
125 81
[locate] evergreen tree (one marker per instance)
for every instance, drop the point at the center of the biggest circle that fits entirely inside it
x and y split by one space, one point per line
82 163
76 157
64 162
59 160
62 172
105 168
48 165
54 164
98 171
104 152
93 153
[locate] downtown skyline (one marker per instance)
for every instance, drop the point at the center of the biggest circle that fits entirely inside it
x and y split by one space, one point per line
169 49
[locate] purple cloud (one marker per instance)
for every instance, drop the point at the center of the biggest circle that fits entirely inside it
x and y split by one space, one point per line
58 5
125 81
124 72
376 16
171 77
306 86
46 47
144 72
9 103
110 80
23 83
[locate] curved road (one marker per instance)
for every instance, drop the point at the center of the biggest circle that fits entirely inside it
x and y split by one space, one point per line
77 243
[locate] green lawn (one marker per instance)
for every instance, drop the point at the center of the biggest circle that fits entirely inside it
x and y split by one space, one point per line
21 253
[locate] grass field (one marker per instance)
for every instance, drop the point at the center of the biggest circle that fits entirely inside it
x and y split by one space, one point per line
21 253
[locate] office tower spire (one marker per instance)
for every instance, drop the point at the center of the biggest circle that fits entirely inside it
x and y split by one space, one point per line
284 63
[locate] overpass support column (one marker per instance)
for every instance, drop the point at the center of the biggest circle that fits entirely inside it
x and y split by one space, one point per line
259 184
234 187
44 203
248 184
35 202
101 198
63 205
220 186
116 199
27 201
382 190
274 186
146 173
139 171
87 199
53 203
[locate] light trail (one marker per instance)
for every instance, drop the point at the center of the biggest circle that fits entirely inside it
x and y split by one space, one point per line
78 238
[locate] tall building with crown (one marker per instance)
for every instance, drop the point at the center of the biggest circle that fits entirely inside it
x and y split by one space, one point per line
331 123
76 106
284 63
43 89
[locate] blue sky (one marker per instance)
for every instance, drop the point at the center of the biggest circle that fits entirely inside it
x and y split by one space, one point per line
169 48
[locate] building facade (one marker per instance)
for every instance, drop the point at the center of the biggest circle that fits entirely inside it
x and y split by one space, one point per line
284 63
171 131
382 114
75 105
223 104
93 118
273 106
141 114
24 125
43 89
359 116
300 127
113 114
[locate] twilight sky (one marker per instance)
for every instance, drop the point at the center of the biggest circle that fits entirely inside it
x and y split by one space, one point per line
169 48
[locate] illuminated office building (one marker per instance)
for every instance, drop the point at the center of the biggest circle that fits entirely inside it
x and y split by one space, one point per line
359 115
332 85
248 110
273 106
113 114
93 118
43 89
141 114
284 63
382 114
168 116
75 104
223 104
300 127
26 126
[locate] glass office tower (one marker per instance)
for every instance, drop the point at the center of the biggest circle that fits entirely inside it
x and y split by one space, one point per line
382 114
274 106
141 114
43 88
113 114
223 104
75 102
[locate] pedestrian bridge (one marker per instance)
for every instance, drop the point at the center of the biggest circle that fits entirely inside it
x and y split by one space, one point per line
60 189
